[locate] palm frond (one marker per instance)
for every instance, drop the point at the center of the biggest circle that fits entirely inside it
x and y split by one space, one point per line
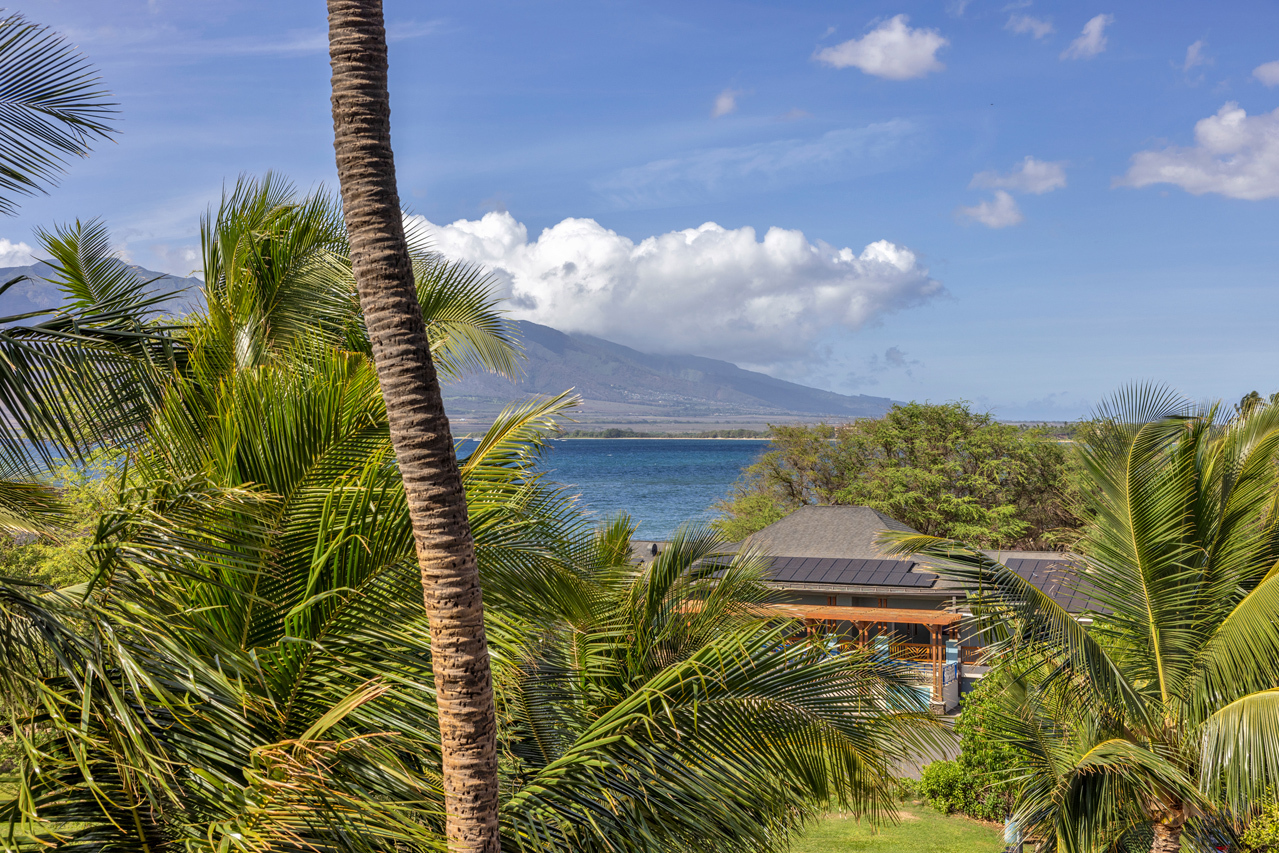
1241 750
1011 609
459 304
52 106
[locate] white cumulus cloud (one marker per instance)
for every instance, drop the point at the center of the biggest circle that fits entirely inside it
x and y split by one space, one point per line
1030 176
999 212
1040 28
1267 73
725 103
892 50
710 290
1234 155
15 254
1091 41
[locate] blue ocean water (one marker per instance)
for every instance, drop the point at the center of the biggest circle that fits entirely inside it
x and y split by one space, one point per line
660 482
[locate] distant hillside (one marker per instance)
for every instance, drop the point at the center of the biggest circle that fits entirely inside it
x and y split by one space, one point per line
40 294
615 378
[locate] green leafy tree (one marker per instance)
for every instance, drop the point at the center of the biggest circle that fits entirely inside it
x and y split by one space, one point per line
1161 713
86 491
943 469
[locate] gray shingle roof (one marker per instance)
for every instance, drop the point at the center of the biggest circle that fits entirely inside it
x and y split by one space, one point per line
839 532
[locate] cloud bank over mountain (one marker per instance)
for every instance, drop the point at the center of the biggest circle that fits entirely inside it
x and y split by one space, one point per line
712 291
15 254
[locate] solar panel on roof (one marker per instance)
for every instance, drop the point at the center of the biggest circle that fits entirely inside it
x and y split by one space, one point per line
846 574
862 576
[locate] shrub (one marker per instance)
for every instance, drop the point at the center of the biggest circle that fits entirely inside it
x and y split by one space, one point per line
977 783
1262 833
942 784
951 786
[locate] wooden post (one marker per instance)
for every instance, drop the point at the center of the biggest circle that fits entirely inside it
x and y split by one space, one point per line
937 663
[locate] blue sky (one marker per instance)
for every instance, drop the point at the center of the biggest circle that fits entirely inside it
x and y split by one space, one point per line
1022 205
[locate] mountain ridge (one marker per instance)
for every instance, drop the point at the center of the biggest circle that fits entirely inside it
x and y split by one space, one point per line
613 378
37 293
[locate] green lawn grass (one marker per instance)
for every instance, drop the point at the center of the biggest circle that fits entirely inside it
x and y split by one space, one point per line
922 829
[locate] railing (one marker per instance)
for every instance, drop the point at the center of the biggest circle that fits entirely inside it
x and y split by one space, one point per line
970 654
911 651
922 672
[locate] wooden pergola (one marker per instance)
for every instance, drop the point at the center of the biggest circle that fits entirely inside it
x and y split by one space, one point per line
938 622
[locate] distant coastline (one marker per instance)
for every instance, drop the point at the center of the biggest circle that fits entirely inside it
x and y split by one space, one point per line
752 434
672 437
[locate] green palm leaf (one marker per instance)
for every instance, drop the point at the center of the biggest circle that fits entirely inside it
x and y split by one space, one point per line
52 106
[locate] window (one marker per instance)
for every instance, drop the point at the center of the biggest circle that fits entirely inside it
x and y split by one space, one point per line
883 602
830 601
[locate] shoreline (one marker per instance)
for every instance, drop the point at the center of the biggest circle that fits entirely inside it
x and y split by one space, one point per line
661 438
476 437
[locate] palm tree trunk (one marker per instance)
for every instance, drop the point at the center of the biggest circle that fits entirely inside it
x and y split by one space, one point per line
1167 838
419 430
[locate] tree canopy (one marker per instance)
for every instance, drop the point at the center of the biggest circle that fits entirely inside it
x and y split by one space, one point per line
943 469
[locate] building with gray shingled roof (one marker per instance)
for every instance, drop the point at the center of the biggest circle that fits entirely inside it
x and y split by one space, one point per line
827 564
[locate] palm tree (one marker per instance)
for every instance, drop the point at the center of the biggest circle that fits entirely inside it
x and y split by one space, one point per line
1160 717
418 427
105 369
53 107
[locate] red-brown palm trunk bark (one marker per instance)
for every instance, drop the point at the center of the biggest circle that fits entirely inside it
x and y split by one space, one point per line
419 430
